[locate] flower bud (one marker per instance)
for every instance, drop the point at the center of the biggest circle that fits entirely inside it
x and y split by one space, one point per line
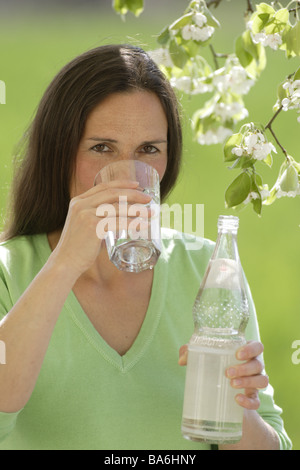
289 181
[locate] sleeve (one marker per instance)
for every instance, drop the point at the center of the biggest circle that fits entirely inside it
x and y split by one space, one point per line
268 410
7 420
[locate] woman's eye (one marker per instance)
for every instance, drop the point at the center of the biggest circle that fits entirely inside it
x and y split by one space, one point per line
101 148
150 149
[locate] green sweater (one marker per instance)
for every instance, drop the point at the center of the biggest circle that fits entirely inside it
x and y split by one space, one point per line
89 397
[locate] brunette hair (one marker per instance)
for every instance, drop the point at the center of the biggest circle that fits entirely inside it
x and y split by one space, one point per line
40 192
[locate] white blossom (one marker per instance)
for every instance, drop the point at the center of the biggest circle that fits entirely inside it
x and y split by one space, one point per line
189 85
228 111
251 196
255 146
190 31
293 100
216 136
263 193
293 89
274 41
235 80
200 19
238 151
182 83
195 33
200 87
161 56
271 40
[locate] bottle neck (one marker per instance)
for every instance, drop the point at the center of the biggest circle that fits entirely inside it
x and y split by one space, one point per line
226 246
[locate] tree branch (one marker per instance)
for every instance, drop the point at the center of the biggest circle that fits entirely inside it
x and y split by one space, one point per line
269 126
250 8
216 3
216 56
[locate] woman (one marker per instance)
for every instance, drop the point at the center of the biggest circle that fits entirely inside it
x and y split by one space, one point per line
90 349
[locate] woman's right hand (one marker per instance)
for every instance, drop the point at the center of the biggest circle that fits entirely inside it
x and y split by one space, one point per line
79 245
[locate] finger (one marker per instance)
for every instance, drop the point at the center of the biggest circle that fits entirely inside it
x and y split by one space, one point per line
111 184
250 401
121 196
183 354
130 211
250 350
246 369
255 382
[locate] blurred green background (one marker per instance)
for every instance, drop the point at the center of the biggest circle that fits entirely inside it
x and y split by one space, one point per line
38 38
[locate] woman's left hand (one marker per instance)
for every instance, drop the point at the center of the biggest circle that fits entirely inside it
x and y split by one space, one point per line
247 375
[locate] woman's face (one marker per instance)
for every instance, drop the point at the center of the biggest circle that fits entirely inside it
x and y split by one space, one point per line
124 126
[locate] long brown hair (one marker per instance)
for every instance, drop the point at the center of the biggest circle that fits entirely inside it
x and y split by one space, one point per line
40 191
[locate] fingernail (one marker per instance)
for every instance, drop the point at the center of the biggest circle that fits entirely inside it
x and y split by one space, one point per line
240 399
237 382
241 355
231 373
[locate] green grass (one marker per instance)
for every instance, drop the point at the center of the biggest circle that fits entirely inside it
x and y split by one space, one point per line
34 47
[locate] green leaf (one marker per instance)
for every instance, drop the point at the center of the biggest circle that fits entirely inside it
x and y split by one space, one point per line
261 17
211 20
247 162
233 141
256 181
178 54
289 180
281 92
182 21
278 22
297 74
265 8
251 56
238 190
244 57
164 36
292 39
259 21
249 45
123 6
257 205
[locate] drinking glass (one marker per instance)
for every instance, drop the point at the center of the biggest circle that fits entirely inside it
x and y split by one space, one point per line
136 245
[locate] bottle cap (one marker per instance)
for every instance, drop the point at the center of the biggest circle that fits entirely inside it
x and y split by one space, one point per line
228 223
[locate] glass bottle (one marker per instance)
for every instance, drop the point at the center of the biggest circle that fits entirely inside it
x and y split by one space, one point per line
221 313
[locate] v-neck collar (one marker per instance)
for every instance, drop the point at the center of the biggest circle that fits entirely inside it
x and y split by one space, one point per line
146 334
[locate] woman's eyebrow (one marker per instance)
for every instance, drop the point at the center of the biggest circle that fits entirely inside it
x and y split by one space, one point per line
150 142
146 142
102 139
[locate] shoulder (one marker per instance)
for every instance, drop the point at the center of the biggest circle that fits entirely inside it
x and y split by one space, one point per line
21 252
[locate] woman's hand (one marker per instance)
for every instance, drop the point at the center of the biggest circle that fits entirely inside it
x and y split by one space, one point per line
79 244
247 375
